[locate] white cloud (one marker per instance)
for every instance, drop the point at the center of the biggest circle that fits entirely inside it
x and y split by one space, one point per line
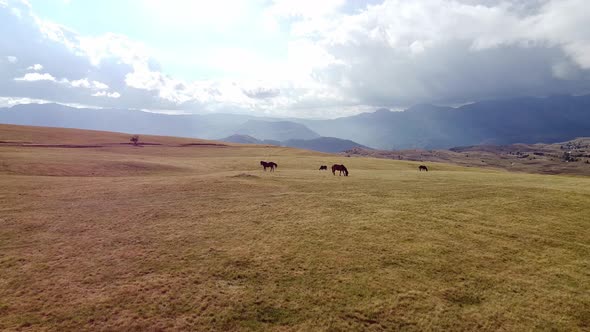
10 101
35 67
32 77
11 59
106 94
85 83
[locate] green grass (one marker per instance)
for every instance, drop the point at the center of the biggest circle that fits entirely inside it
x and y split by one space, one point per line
188 241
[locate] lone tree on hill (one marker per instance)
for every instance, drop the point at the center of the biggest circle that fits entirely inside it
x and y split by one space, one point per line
134 139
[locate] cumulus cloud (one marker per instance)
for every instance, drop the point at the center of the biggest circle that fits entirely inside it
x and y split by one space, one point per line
35 67
32 77
106 94
85 83
340 58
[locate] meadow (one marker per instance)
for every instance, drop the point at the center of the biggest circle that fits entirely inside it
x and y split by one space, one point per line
185 234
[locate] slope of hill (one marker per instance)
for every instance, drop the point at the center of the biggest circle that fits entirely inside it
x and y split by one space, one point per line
572 157
189 237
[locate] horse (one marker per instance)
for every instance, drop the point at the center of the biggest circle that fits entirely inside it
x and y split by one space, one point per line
323 167
339 168
269 164
422 167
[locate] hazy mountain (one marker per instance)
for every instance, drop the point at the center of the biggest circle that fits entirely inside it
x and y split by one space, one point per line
275 130
519 120
508 121
322 144
243 139
246 139
130 121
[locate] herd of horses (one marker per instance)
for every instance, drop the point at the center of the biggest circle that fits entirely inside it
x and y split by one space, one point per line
336 167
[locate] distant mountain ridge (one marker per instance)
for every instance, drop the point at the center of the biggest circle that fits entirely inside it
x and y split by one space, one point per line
322 144
507 121
207 126
275 130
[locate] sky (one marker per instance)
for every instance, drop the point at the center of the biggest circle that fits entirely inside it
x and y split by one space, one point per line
290 58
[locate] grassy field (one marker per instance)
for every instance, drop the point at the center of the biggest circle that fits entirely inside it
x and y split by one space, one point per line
186 236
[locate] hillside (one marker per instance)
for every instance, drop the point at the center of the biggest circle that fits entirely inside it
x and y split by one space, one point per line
571 157
183 236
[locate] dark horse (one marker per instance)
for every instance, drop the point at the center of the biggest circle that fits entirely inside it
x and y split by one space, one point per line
340 168
269 164
422 167
323 167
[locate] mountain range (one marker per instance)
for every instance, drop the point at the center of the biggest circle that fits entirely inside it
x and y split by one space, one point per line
507 121
322 144
499 122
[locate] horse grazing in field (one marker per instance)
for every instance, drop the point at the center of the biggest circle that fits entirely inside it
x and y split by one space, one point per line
269 164
422 167
339 168
324 167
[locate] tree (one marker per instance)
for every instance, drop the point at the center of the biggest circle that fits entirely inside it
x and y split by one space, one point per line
134 139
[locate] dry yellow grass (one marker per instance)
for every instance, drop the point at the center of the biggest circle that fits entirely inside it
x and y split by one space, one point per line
199 238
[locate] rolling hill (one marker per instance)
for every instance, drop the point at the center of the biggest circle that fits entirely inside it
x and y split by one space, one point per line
571 157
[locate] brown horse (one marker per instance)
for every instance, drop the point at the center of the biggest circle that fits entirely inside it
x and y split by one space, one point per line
269 164
422 167
323 167
339 168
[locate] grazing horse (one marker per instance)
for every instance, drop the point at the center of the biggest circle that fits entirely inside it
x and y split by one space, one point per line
269 164
323 167
422 167
339 168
